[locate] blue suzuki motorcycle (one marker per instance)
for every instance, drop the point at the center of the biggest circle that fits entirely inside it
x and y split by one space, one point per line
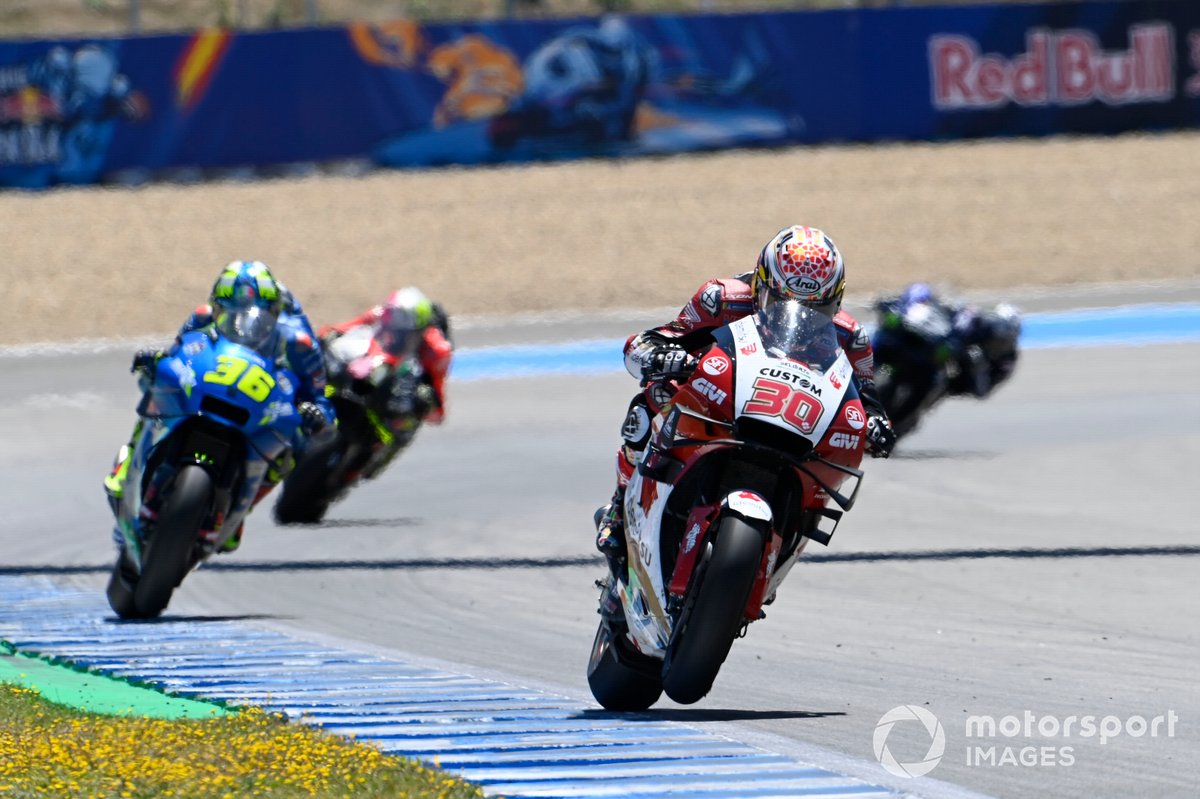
217 414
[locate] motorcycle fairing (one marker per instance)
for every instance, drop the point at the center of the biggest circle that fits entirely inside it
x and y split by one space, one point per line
205 386
649 625
785 392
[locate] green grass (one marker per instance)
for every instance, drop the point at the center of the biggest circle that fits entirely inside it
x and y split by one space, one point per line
51 750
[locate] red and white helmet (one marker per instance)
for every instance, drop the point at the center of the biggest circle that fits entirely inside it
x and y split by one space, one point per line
800 263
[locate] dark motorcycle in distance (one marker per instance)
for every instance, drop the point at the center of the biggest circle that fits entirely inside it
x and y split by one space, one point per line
926 351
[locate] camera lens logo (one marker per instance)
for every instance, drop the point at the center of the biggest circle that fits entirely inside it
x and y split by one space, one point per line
937 745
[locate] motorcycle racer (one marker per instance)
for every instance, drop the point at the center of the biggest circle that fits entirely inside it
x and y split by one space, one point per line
242 285
799 263
981 347
406 325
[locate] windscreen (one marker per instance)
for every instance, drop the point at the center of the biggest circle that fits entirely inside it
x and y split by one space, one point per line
252 327
792 330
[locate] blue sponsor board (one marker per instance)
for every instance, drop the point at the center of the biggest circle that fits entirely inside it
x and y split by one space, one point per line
413 95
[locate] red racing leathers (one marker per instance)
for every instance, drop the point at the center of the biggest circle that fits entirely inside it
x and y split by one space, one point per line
434 352
718 303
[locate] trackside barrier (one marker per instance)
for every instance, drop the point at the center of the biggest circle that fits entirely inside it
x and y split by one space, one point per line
410 95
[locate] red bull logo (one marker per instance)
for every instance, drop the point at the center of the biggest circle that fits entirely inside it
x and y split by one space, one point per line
1066 67
28 106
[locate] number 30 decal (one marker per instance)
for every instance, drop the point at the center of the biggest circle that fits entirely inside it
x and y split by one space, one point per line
255 384
798 408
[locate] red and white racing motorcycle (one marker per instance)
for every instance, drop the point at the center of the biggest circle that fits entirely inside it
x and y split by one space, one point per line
744 464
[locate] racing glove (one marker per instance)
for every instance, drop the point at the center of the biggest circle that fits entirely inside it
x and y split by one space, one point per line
424 400
665 360
144 361
400 399
880 438
312 420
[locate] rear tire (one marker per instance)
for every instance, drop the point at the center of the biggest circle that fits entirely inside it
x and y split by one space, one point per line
168 553
306 494
716 612
620 677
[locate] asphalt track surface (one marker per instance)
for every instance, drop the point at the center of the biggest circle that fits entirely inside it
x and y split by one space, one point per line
1034 553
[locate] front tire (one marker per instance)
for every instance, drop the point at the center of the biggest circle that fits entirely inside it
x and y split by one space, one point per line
715 612
120 590
901 401
168 553
307 493
621 678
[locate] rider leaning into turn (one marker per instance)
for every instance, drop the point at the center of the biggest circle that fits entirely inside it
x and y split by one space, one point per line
799 263
982 345
406 325
240 284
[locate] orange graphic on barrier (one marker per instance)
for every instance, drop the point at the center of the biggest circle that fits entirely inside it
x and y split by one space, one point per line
390 44
483 79
199 64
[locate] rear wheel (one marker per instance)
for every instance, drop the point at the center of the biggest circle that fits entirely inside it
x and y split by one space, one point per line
168 553
620 677
307 492
714 612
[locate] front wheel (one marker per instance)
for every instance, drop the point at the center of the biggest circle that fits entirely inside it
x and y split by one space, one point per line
714 612
167 555
621 678
901 399
120 589
307 491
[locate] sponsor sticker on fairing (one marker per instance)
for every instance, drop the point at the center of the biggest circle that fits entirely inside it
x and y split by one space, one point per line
707 389
750 505
844 441
855 418
185 374
715 365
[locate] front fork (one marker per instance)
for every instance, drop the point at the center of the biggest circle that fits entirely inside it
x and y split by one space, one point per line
749 505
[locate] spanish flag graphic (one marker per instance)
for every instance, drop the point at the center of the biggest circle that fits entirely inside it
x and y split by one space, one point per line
198 64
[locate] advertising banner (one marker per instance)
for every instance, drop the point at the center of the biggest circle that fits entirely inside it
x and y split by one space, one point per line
412 95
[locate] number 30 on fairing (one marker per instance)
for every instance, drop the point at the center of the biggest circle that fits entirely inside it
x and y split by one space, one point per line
798 408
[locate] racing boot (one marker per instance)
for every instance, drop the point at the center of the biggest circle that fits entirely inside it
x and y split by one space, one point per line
233 542
114 483
610 533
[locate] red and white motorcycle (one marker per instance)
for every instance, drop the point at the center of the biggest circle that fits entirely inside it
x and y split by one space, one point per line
744 463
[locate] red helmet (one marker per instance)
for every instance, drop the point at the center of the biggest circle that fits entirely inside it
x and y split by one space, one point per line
800 263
